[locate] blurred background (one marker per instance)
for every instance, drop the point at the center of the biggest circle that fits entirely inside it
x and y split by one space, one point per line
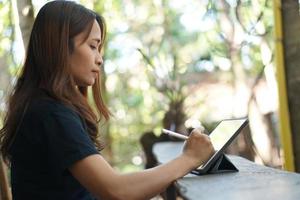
202 60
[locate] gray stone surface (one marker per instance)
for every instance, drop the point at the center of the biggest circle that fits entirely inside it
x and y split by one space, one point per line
253 181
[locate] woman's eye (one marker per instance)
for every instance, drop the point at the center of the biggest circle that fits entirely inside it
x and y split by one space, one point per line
93 47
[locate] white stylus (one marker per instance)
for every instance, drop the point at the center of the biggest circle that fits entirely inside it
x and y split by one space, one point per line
174 134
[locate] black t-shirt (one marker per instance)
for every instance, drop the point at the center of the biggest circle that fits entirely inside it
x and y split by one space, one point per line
50 139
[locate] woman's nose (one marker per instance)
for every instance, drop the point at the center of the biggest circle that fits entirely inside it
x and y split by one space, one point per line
99 61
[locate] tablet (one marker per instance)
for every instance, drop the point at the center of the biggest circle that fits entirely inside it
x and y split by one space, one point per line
221 137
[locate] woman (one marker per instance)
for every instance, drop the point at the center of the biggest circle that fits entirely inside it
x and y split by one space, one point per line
50 134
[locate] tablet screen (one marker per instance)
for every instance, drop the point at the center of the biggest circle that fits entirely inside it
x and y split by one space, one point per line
223 135
224 131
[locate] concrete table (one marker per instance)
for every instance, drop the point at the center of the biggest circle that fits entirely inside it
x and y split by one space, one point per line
253 181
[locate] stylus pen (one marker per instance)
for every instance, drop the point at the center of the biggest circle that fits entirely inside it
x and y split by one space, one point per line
174 134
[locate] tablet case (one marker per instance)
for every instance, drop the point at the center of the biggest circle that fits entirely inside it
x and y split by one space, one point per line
221 165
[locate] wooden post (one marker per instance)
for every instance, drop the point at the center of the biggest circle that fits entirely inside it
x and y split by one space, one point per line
284 115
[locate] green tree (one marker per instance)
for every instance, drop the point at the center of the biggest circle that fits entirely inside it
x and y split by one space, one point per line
181 40
26 18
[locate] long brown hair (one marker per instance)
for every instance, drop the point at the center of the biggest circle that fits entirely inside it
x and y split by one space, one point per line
47 66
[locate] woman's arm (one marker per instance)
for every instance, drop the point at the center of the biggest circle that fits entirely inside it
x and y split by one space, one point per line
94 173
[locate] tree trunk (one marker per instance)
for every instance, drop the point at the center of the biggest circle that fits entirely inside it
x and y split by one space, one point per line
4 81
291 43
239 82
26 19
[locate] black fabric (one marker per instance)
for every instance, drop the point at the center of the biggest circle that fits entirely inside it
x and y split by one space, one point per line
50 139
221 165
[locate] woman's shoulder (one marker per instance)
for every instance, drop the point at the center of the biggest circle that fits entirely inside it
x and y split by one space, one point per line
44 104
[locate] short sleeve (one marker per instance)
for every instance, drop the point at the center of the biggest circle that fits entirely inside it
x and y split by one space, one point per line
66 139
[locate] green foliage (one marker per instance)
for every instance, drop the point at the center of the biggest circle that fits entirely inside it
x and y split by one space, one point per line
152 47
8 43
5 27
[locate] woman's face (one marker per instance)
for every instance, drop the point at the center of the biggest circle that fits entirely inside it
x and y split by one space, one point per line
85 60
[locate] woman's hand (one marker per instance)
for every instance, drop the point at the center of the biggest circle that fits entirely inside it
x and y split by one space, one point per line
198 148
